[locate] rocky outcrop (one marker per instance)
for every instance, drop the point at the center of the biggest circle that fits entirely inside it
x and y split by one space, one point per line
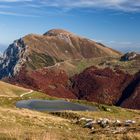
108 126
130 56
39 51
13 59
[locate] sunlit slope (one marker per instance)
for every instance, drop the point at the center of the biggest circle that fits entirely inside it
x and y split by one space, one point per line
8 90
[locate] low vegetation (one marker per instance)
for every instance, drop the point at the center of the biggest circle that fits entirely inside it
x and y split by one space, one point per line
77 66
8 90
24 124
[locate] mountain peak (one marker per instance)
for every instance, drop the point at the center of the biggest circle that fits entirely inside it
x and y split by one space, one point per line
56 46
55 32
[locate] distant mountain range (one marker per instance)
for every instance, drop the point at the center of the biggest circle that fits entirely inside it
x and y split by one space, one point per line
52 63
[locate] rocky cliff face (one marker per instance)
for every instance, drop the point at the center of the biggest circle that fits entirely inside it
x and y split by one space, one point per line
39 51
13 58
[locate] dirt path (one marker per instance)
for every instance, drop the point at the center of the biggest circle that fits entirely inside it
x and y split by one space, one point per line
26 93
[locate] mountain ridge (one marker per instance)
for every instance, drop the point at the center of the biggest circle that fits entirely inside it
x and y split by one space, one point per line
38 51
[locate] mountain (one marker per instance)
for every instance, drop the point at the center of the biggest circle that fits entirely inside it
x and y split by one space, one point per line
64 65
44 63
56 46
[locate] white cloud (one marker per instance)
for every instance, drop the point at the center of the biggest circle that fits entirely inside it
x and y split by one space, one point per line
66 5
4 6
121 42
16 14
15 1
123 5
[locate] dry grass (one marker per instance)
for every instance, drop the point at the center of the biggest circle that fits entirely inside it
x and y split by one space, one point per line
24 124
76 66
8 90
21 123
19 134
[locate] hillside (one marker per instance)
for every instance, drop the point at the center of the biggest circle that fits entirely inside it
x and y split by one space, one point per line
56 46
8 90
72 67
22 124
101 85
51 82
131 95
107 86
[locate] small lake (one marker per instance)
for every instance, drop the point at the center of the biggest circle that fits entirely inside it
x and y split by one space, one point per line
53 105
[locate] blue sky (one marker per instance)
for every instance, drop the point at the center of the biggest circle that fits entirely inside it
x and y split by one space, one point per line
115 23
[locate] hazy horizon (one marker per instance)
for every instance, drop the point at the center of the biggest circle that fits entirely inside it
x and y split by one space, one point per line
113 23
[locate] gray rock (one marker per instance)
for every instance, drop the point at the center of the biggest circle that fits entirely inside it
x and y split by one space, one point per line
85 119
89 125
13 58
103 122
117 123
129 56
129 122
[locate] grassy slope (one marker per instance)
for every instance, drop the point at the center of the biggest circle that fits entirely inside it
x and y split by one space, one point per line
8 90
129 66
25 124
76 66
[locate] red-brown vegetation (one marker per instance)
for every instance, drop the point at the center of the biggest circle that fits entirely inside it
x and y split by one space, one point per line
51 82
100 85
